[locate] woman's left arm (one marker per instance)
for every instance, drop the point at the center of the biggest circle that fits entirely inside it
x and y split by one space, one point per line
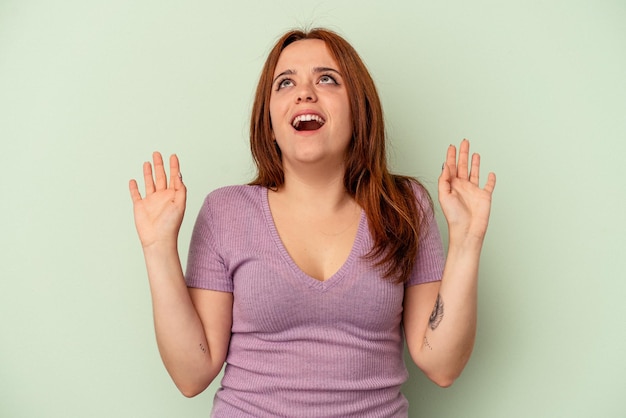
441 338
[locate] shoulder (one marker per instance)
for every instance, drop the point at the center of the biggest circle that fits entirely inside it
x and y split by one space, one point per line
231 212
419 192
234 206
229 196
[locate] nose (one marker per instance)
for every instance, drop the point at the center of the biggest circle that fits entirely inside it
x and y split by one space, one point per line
306 94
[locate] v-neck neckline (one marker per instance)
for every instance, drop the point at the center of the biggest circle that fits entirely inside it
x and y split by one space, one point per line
336 277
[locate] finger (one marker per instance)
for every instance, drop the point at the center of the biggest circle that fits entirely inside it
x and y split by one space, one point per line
147 178
475 169
463 160
134 191
159 171
451 160
176 178
444 180
491 182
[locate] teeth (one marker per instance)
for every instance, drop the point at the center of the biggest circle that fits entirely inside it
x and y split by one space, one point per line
307 118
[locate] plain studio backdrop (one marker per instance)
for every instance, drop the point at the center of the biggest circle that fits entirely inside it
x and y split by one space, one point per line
88 89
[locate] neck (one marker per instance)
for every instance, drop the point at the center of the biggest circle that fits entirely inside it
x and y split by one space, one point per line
323 192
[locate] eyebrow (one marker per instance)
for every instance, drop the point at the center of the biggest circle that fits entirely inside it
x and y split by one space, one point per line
316 70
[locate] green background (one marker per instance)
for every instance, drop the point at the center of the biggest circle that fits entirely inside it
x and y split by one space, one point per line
88 89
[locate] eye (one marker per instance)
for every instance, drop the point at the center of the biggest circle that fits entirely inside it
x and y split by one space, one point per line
285 82
327 79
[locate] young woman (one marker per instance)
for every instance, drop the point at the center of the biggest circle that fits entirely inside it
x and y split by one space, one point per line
308 281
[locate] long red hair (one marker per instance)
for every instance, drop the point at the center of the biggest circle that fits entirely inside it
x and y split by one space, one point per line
389 202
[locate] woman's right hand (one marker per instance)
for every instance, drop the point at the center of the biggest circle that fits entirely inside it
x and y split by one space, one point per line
159 215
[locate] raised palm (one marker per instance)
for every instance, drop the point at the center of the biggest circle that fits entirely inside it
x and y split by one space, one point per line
159 214
465 205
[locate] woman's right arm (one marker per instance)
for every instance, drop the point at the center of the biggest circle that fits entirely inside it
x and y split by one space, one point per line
192 325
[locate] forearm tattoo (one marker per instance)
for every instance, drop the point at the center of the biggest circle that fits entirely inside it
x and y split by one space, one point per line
427 344
437 315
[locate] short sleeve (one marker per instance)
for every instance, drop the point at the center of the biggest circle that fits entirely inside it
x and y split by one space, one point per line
430 258
205 267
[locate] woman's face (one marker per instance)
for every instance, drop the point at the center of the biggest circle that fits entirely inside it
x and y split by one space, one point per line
309 106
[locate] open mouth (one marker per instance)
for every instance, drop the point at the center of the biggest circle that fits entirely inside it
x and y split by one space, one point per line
308 122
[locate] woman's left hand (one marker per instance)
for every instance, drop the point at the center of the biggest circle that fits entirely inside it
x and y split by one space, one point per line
465 205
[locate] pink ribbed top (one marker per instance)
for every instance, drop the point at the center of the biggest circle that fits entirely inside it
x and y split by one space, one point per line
301 347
